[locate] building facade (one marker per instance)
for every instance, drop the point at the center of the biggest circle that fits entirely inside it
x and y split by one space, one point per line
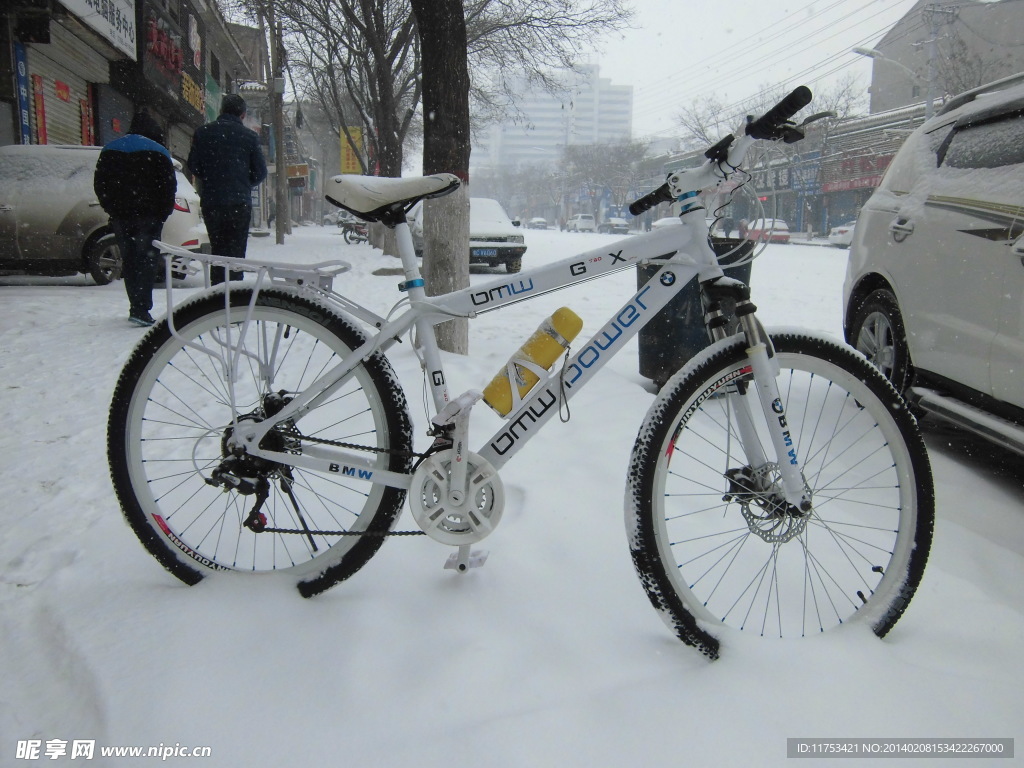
588 110
75 71
945 47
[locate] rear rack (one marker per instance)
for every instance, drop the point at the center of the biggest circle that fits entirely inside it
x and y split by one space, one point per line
315 279
319 275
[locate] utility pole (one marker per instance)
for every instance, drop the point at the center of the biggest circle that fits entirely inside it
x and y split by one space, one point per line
936 17
281 215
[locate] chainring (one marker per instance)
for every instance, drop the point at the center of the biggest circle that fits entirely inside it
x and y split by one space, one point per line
439 516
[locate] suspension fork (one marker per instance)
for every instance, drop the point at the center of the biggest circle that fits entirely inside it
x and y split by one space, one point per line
765 369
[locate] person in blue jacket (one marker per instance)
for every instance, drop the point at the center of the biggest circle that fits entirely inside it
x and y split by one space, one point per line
228 162
135 184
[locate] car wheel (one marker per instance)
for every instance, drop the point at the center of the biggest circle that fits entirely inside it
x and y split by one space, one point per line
514 265
103 260
877 332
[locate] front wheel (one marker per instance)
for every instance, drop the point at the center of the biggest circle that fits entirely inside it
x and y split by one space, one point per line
712 539
187 494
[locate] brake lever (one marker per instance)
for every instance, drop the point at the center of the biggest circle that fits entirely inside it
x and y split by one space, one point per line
817 116
791 134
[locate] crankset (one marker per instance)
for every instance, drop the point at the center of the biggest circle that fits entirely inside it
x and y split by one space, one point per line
456 516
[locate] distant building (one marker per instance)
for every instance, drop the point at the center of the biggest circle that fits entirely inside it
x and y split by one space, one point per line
590 110
975 43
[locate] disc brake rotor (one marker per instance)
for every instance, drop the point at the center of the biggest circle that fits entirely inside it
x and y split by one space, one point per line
763 504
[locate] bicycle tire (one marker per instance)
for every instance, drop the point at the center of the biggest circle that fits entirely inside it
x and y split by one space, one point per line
858 556
166 432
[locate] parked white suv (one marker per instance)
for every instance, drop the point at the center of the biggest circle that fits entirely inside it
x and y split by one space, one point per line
935 281
581 222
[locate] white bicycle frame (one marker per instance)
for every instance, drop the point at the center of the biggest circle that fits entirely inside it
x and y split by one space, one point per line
683 252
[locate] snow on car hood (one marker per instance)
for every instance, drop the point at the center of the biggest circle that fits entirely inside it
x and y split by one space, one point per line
487 217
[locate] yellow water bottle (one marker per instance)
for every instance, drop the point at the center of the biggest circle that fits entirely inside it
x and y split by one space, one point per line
532 360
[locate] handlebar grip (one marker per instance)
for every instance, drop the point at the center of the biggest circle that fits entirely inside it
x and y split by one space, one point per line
651 199
766 126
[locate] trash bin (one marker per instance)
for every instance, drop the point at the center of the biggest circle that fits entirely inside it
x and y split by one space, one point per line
677 333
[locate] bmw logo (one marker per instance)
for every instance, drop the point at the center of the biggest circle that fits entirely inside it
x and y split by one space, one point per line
668 278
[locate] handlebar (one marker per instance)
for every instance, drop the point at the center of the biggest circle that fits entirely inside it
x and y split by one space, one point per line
767 126
771 125
661 195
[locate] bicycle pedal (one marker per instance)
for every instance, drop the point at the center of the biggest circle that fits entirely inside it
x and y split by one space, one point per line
463 560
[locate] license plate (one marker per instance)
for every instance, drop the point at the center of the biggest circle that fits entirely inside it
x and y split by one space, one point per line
485 251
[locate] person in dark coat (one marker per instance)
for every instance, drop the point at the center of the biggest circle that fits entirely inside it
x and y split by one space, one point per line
228 162
135 184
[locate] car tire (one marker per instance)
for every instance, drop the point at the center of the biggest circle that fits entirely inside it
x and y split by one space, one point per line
877 331
514 265
103 260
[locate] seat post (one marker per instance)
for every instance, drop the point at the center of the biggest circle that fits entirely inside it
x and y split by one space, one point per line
410 263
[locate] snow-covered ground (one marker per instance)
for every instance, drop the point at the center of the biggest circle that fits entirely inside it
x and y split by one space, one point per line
549 655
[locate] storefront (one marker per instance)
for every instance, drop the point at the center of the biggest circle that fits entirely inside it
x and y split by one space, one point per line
852 178
173 73
60 66
772 182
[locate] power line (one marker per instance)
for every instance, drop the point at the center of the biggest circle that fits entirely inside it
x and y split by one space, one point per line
812 73
761 52
727 54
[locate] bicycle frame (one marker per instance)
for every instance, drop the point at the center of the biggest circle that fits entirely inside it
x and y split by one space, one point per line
684 253
664 246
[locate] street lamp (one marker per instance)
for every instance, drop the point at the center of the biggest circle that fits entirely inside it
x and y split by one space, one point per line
871 53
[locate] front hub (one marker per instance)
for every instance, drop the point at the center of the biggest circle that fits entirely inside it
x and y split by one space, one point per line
763 503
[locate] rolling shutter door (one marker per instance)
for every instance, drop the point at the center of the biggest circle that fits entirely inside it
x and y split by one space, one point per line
65 67
179 141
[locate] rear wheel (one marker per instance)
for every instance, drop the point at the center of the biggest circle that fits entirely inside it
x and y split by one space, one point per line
103 260
169 442
713 540
514 265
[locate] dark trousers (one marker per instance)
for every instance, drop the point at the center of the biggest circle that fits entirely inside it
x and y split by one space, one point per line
228 226
139 260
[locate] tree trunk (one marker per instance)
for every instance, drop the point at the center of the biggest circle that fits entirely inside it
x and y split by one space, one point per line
441 25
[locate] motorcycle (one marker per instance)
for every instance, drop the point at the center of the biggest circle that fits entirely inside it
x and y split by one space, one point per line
354 231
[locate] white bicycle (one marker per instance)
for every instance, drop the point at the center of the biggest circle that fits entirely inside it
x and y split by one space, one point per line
778 484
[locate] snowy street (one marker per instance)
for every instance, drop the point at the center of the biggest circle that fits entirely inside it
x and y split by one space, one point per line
548 656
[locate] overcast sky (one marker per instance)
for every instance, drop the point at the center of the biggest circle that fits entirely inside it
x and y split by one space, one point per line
684 49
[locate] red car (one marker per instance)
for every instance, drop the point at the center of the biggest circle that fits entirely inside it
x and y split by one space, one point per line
768 230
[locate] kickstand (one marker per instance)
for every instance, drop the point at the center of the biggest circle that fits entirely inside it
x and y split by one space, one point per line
463 560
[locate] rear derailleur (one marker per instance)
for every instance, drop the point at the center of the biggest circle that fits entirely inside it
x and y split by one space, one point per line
250 475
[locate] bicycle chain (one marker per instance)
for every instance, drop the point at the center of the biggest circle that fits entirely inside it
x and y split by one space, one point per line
294 434
378 534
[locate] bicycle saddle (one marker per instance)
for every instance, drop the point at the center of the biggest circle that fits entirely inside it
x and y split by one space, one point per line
378 198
